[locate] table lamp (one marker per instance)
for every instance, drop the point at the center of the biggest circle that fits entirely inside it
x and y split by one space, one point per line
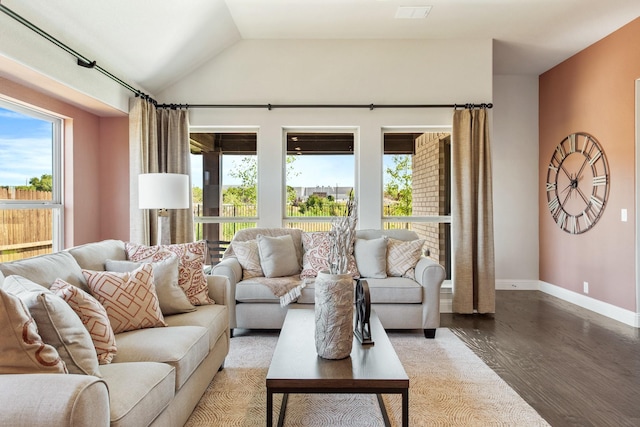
163 191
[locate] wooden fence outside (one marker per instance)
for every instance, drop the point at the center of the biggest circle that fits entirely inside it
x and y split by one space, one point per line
24 232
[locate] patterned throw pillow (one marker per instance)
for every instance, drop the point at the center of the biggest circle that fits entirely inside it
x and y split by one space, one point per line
58 325
171 297
316 255
21 348
402 257
129 298
249 258
191 276
93 316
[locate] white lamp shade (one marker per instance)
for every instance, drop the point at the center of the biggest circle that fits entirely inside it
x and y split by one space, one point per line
163 191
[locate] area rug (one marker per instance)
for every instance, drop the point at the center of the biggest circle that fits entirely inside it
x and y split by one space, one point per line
449 386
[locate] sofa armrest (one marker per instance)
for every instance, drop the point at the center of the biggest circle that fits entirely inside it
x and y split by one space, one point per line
219 289
231 269
430 275
53 400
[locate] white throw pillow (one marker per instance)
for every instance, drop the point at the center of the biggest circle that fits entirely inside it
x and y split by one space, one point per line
371 257
277 256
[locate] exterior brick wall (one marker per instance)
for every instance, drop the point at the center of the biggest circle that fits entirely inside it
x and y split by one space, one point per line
430 191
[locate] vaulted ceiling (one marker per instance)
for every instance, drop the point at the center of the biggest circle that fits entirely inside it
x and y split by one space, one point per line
154 43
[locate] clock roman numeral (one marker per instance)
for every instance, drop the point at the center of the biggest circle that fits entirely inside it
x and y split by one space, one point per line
573 224
572 143
595 158
600 180
554 204
560 152
562 219
596 202
551 186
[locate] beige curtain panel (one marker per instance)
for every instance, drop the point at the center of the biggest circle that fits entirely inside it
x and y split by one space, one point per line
158 142
472 214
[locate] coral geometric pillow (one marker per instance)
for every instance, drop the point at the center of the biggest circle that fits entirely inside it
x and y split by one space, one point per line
21 348
402 257
94 317
249 258
316 255
129 298
191 276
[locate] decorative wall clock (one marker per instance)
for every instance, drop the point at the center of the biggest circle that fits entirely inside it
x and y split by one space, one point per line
577 183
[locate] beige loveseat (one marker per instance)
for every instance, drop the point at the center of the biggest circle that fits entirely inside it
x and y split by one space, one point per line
409 302
157 376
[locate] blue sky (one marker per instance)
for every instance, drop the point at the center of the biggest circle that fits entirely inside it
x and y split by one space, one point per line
25 148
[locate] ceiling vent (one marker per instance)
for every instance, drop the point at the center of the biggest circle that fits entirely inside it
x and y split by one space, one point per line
412 12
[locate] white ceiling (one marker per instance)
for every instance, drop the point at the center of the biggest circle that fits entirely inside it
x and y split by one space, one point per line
153 43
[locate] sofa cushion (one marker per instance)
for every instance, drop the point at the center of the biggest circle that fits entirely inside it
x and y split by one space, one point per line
371 257
249 258
213 317
129 298
391 290
402 257
262 289
171 297
22 350
45 269
93 316
277 256
191 258
183 347
138 392
395 290
93 256
247 234
58 325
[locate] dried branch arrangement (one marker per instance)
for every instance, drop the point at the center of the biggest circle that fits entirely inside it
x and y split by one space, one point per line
341 239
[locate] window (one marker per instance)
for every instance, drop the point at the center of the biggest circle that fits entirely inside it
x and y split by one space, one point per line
224 176
31 208
416 186
319 178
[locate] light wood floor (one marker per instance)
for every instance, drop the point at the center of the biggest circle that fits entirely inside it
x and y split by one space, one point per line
575 367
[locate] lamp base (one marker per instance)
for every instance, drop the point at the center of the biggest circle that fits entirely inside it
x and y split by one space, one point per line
164 228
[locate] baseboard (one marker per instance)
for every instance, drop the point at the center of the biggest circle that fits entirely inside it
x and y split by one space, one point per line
611 311
517 285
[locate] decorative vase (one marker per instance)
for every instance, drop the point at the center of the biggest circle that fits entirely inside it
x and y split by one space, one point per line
334 296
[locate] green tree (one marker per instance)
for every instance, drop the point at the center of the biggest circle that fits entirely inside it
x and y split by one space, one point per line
44 183
196 195
399 187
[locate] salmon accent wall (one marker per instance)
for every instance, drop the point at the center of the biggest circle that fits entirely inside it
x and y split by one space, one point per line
594 92
96 167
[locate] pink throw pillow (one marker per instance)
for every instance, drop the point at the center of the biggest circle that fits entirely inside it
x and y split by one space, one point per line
129 298
94 317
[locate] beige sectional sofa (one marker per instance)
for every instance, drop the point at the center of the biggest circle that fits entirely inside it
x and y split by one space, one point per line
157 376
407 300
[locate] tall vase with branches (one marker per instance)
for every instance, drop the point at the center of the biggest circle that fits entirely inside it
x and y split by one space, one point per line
334 291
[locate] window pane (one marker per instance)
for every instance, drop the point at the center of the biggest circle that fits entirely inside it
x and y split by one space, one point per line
320 177
30 172
26 156
417 173
224 173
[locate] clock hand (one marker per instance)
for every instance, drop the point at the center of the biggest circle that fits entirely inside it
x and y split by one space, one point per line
584 198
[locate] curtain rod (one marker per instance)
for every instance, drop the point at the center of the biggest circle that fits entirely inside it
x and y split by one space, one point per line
369 106
87 63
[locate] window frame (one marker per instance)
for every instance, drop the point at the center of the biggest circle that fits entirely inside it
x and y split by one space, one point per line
287 220
56 204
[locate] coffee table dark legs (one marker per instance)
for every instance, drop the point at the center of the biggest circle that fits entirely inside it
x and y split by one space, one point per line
383 409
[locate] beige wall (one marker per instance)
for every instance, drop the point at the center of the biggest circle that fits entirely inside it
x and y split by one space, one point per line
594 92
